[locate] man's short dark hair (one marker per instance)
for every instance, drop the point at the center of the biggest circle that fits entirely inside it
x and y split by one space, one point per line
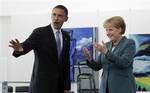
62 7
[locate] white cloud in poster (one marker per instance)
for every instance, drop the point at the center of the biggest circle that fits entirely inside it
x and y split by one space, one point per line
83 42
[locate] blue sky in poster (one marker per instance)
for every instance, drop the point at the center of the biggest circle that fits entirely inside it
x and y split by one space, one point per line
80 37
80 33
84 37
141 66
140 39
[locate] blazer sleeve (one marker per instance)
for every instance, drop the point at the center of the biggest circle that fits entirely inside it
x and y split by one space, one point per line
95 65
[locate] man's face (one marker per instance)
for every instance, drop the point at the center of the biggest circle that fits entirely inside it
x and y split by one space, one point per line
58 17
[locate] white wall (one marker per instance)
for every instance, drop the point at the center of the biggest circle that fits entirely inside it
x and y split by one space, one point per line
140 21
4 34
4 37
18 18
21 27
0 7
11 7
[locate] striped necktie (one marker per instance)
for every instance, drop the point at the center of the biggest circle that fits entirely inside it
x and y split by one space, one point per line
58 43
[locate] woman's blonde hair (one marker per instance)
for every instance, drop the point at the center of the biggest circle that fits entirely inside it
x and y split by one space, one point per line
117 22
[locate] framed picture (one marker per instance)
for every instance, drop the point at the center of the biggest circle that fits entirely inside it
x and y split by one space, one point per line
79 38
141 66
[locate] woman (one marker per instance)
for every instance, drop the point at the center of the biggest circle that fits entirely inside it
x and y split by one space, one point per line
116 59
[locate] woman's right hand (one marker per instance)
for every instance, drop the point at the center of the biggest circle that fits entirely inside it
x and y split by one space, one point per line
15 44
87 54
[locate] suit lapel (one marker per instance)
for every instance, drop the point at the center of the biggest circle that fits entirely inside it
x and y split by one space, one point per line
119 45
52 39
64 42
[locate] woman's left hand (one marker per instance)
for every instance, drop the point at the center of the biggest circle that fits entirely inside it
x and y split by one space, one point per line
100 47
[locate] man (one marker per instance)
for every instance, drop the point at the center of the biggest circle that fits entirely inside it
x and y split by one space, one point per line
51 72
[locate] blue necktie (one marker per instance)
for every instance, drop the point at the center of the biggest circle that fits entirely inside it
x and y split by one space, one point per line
58 43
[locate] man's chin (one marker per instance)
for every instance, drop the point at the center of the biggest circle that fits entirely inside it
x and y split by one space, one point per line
57 27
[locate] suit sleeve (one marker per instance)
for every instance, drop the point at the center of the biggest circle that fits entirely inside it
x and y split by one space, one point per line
67 83
32 42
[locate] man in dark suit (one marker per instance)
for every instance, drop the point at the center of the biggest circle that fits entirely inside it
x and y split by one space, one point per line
51 73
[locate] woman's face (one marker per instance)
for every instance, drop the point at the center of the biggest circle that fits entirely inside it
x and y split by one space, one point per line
113 33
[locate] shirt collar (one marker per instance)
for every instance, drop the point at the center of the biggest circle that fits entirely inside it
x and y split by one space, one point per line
55 30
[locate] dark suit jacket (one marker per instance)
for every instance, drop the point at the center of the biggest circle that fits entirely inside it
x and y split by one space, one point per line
117 67
48 72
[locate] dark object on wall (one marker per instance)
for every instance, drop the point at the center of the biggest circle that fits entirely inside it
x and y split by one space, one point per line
22 89
10 89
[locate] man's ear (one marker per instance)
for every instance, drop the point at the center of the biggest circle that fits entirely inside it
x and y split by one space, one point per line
66 19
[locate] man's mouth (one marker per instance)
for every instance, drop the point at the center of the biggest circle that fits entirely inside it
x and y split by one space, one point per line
56 22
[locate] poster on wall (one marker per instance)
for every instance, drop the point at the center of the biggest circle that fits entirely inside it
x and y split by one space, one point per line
79 38
141 66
